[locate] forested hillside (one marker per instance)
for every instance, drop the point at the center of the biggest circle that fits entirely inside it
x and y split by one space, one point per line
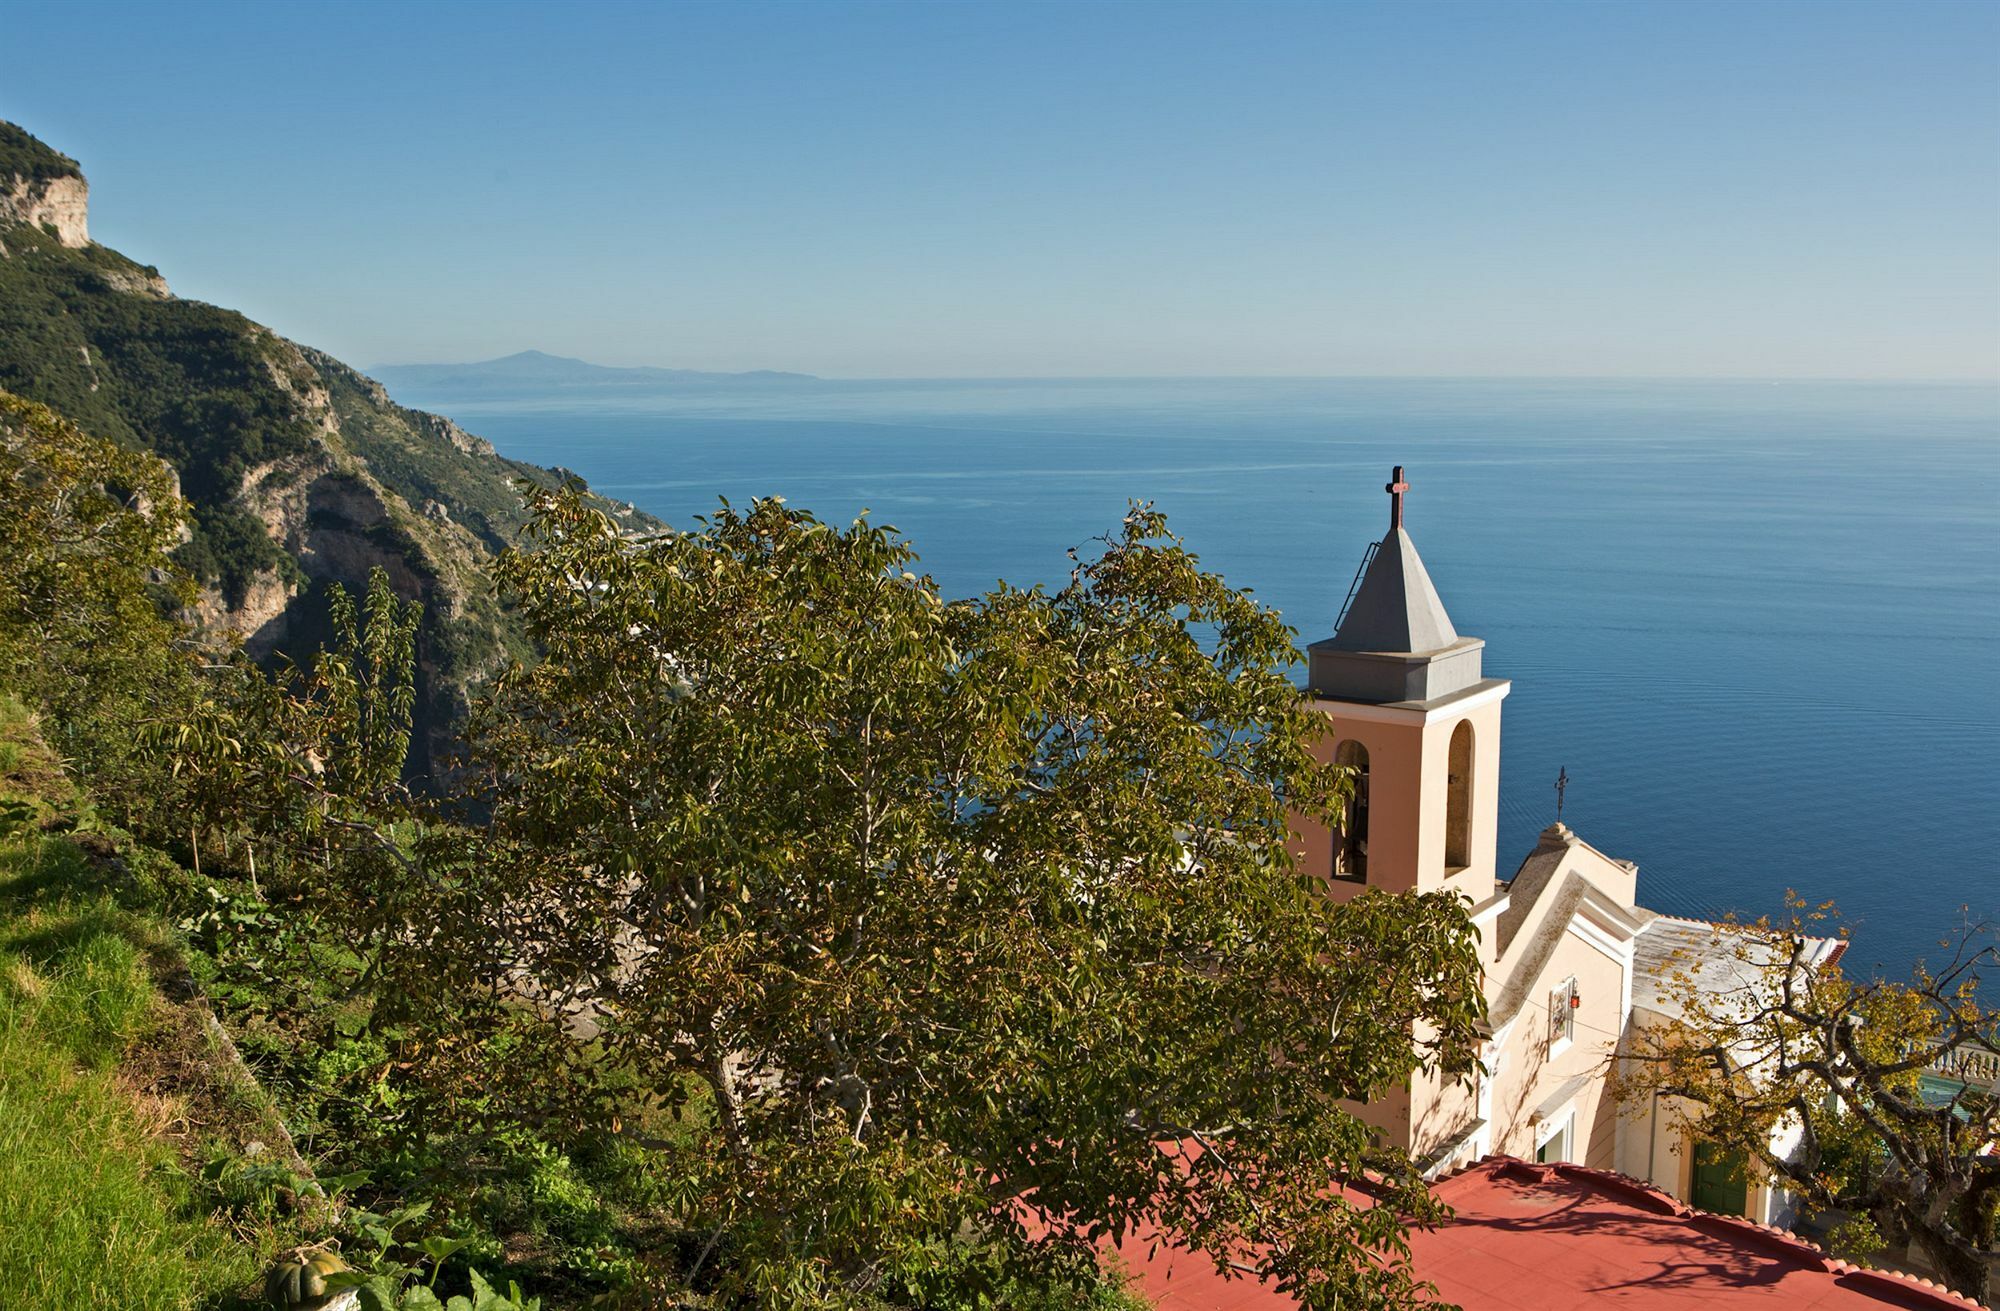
297 469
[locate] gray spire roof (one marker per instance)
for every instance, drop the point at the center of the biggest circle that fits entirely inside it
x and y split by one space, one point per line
1396 645
1397 609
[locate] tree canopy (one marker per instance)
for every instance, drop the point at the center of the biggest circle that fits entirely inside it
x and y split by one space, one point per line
1819 1080
961 925
902 950
88 589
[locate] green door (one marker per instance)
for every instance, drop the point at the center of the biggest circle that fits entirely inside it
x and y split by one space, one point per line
1720 1183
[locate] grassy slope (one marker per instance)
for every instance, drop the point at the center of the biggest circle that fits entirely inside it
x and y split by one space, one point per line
99 1211
101 1205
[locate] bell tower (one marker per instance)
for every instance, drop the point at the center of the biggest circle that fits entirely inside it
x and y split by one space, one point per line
1412 713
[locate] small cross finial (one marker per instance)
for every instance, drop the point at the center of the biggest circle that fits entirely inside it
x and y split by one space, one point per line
1562 786
1396 488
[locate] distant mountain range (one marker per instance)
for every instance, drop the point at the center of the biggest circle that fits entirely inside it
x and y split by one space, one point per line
540 371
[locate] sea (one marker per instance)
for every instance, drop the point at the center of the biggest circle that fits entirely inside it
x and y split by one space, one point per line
1754 625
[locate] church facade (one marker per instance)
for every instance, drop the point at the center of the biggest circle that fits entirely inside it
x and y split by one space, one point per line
1572 962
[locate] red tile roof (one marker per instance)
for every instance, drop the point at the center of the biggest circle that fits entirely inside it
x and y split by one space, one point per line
1558 1237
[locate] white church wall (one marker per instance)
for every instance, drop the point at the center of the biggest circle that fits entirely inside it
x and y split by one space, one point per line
1537 1065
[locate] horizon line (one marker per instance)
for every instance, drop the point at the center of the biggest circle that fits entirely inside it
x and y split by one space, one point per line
1960 379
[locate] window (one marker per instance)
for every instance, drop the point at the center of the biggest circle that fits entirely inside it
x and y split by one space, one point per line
1563 1004
1458 799
1350 838
1555 1147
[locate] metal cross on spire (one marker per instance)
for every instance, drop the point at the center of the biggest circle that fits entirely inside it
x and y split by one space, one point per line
1562 786
1396 487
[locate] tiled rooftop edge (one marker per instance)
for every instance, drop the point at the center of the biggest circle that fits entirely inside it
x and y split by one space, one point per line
1909 1290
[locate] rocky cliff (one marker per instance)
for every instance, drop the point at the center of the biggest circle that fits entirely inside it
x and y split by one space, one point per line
42 188
61 204
299 470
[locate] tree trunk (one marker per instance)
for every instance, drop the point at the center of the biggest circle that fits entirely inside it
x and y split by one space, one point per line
1962 1266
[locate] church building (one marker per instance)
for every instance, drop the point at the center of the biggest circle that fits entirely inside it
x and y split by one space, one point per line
1572 961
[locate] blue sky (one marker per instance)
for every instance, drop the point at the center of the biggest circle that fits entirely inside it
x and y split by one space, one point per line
1763 189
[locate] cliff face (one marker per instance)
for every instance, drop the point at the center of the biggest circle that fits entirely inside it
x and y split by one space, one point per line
42 187
59 203
299 470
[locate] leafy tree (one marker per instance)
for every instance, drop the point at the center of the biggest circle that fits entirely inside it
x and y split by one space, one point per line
86 526
307 762
88 589
1784 1050
962 925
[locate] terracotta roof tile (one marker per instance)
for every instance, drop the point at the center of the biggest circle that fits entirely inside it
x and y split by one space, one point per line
1557 1237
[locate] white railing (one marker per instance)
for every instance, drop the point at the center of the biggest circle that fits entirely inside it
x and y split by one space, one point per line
1973 1066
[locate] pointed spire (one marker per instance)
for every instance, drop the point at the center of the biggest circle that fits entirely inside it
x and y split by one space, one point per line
1395 644
1396 608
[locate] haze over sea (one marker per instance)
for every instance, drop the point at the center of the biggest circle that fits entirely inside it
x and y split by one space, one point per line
1757 622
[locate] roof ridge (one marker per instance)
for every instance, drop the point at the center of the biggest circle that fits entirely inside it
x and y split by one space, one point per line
1698 922
1837 943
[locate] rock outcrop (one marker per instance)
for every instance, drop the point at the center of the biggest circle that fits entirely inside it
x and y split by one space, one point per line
59 204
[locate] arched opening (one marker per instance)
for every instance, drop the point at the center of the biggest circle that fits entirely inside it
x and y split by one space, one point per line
1458 799
1350 838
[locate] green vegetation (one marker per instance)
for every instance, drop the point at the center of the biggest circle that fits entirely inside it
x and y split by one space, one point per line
96 1214
796 937
194 384
246 419
1796 1048
84 633
24 156
99 1207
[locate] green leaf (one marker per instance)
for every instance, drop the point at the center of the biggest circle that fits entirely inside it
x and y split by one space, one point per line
379 1294
437 1249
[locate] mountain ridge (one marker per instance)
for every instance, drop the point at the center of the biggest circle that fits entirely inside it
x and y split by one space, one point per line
535 368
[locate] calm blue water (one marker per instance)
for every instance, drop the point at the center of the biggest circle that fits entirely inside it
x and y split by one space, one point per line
1759 624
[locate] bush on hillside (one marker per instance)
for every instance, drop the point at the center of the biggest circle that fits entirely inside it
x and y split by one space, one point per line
23 155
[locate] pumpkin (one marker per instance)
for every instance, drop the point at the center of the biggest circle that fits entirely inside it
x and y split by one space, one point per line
301 1281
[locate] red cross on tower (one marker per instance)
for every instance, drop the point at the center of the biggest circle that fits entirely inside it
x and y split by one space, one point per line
1396 488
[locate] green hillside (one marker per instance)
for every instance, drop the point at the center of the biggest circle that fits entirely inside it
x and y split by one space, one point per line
21 155
298 469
